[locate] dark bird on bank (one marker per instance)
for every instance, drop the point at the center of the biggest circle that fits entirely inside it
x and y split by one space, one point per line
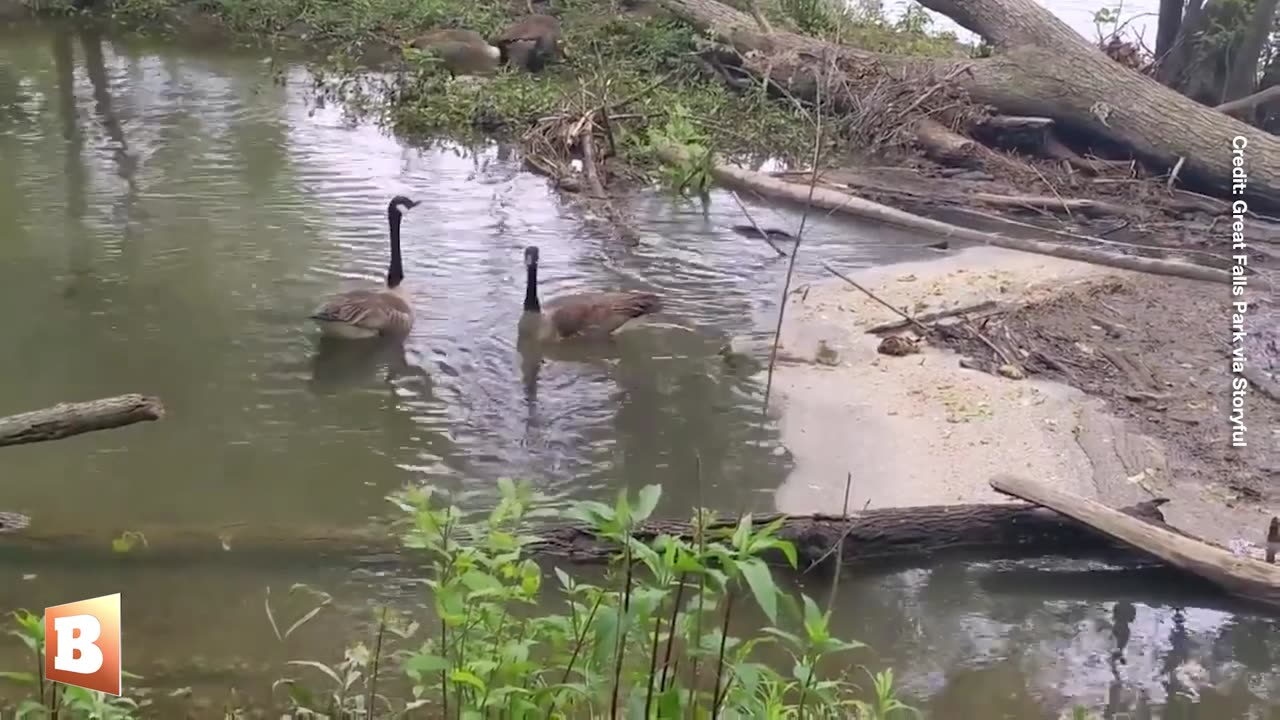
463 52
370 313
531 42
590 315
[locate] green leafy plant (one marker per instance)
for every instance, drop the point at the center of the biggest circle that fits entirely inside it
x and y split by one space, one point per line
652 639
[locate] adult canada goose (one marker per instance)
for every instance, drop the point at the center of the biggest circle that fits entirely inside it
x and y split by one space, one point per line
464 52
530 42
590 315
369 313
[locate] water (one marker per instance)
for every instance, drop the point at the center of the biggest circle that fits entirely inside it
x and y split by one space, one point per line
173 213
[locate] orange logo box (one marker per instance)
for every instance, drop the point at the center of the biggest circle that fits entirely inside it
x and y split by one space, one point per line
82 644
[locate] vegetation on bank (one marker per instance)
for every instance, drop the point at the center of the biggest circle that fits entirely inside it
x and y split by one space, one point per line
641 56
655 638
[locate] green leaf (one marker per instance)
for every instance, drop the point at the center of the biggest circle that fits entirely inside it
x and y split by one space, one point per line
565 581
420 665
25 678
466 677
802 672
762 586
785 547
477 581
815 621
742 532
670 703
646 502
530 577
794 640
30 708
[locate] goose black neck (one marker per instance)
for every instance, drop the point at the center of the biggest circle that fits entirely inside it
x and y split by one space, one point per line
395 272
531 303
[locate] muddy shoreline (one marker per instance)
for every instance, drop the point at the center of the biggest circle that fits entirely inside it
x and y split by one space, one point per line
919 428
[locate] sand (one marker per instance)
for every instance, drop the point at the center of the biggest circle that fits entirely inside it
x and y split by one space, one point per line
919 429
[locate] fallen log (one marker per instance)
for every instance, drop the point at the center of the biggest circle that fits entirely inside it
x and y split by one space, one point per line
68 419
1043 68
950 148
1238 575
933 191
907 534
828 199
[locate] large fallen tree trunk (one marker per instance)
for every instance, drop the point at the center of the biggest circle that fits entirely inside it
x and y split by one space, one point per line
1043 69
907 534
1238 575
68 419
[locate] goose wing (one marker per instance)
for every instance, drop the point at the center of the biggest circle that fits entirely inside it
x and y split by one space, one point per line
604 312
372 309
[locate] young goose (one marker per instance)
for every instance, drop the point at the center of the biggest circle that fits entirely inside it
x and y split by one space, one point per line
584 315
530 42
370 313
464 52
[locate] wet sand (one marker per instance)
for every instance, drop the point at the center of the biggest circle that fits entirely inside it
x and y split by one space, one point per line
919 429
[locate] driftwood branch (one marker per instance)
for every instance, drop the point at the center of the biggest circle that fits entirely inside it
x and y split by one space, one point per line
909 534
1242 576
926 318
67 419
833 200
1249 102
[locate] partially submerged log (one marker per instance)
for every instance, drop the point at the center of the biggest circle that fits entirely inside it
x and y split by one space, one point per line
906 534
828 199
68 419
1238 575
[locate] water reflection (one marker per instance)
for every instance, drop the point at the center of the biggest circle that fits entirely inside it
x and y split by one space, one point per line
337 364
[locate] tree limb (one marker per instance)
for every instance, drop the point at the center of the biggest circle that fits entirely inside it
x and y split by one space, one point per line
67 419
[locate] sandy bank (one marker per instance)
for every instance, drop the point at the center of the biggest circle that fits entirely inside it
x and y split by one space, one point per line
919 429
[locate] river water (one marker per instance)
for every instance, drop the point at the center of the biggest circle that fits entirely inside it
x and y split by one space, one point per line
171 213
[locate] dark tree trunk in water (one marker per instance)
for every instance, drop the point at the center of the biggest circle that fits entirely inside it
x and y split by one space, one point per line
1244 67
1043 68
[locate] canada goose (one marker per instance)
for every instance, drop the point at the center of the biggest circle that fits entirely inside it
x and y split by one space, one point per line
464 52
530 42
583 315
369 313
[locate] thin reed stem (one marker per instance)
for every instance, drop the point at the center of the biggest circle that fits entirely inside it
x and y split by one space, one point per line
622 626
671 633
791 263
579 641
377 655
835 580
718 696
